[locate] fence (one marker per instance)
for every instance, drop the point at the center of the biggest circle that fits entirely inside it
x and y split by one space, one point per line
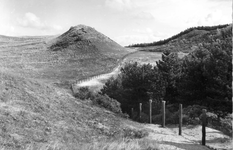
163 119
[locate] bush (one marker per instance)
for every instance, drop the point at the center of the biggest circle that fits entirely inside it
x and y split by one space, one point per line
171 117
193 111
144 118
222 124
191 115
98 99
84 93
107 102
134 133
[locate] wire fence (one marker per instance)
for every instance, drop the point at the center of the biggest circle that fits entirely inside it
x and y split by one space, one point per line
161 107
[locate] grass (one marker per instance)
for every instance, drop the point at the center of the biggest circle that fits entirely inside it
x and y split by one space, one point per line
123 144
146 57
31 57
35 115
186 43
113 144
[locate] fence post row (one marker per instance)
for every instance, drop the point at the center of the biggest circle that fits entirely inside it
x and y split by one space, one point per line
163 113
180 119
150 113
203 117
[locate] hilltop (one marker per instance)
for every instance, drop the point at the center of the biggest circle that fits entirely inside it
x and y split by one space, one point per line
79 53
84 38
185 41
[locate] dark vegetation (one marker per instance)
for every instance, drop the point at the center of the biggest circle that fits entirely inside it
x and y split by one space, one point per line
165 41
203 78
101 100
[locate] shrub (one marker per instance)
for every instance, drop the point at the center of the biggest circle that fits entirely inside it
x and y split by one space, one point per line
191 115
84 93
107 102
193 111
144 118
98 99
222 124
134 133
171 118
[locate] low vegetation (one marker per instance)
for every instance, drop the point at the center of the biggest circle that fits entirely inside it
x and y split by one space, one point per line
101 100
123 144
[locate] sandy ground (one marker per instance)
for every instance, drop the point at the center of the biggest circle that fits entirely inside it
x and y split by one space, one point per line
168 138
98 81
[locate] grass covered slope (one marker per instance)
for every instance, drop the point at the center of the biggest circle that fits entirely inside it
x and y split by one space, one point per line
35 115
79 53
186 41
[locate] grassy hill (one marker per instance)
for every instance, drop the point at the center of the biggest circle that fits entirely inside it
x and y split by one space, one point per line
35 115
185 41
79 53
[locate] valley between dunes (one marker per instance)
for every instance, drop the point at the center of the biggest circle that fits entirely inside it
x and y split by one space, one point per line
38 111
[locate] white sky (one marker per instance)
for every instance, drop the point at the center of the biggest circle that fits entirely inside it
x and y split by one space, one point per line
125 21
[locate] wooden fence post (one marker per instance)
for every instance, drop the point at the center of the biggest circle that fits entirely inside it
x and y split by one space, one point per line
180 119
163 113
140 112
203 117
150 113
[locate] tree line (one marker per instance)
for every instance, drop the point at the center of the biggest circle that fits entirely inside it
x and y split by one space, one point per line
165 41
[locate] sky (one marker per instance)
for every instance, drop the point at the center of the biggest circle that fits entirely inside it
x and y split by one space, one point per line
124 21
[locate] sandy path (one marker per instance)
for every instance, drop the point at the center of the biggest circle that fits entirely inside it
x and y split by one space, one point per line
98 81
214 138
168 138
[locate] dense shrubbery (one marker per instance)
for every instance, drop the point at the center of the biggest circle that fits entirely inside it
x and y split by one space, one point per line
202 78
102 100
135 85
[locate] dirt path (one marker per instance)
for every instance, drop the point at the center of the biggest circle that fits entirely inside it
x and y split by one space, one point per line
168 138
98 81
